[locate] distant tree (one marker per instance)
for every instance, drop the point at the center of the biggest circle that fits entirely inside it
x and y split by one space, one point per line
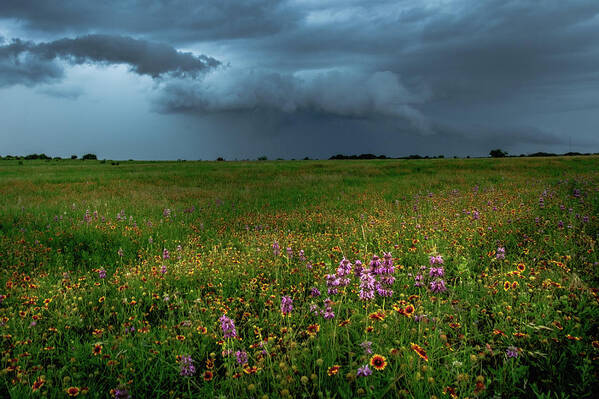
306 158
89 156
542 154
441 156
220 159
498 153
263 158
73 156
367 156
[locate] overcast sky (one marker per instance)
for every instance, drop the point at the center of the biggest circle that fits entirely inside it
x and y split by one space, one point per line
240 79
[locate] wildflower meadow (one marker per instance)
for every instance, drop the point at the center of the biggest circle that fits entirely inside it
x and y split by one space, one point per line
442 278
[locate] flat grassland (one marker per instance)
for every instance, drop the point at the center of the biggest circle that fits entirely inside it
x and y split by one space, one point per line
384 278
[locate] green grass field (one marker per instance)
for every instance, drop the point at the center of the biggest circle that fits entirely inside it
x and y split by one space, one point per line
462 278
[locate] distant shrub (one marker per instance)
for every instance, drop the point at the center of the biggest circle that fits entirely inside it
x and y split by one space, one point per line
73 156
497 153
89 157
220 159
37 156
262 158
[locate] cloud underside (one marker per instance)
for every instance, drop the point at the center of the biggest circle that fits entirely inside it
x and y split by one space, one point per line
28 63
335 93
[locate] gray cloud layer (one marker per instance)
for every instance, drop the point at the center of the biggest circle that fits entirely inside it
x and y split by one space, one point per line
29 63
336 93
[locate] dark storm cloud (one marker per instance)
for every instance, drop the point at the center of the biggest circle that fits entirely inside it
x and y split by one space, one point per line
179 20
339 93
30 63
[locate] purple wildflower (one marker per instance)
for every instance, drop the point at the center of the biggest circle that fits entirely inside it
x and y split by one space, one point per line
328 313
315 292
511 351
165 254
120 252
187 367
358 269
500 253
388 263
102 273
375 264
367 286
242 357
228 327
438 286
367 346
436 260
436 272
163 269
332 283
302 256
121 394
364 371
314 309
418 281
344 268
276 249
286 305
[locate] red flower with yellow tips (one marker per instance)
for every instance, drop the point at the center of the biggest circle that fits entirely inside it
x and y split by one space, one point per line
378 362
418 349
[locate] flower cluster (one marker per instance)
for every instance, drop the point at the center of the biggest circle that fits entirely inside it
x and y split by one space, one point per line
228 327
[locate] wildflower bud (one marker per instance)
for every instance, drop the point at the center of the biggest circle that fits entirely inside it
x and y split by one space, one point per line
360 391
319 362
251 387
431 380
313 377
473 357
304 380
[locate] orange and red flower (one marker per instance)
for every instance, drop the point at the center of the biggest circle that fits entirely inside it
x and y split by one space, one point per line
378 362
418 349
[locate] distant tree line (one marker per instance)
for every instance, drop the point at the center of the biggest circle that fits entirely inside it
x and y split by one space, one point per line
372 156
496 153
45 157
